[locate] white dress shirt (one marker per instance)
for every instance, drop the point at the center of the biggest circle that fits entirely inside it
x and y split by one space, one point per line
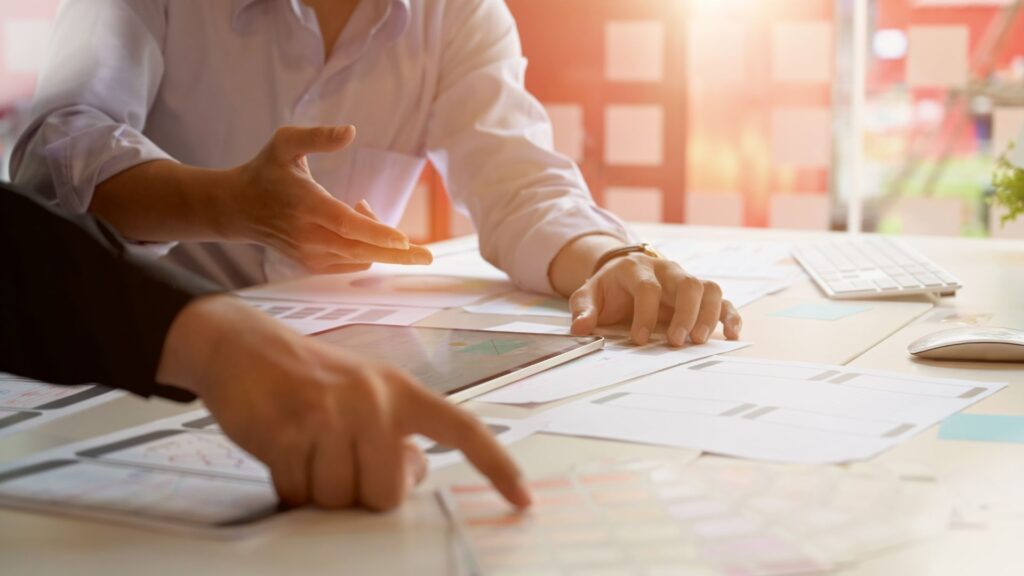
207 82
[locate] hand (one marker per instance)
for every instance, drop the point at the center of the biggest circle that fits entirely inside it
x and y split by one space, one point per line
332 427
277 203
651 290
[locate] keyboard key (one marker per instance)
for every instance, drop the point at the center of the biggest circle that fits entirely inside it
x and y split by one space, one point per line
928 279
886 284
906 281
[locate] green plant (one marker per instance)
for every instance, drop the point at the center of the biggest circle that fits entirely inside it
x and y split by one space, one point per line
1008 181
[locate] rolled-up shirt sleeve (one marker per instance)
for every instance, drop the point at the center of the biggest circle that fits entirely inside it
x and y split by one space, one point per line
492 142
101 77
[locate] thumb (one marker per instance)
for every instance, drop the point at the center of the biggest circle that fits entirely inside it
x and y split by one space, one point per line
584 310
290 141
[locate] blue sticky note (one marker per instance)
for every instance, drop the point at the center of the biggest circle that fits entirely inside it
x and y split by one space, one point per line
824 310
983 428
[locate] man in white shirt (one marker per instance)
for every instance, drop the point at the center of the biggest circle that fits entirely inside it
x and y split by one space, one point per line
164 117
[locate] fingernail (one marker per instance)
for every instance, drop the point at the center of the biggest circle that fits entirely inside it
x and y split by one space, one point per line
364 204
399 242
700 334
643 335
681 335
422 259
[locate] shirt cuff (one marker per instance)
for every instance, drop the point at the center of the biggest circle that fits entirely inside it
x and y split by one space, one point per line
539 248
81 162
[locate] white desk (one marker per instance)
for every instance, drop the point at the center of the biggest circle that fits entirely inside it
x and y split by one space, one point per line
416 540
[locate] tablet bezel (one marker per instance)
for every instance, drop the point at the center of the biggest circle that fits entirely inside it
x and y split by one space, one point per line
585 345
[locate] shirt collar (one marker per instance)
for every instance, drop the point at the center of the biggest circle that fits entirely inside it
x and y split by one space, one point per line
397 21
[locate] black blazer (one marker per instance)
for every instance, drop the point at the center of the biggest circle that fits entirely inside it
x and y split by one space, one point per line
76 307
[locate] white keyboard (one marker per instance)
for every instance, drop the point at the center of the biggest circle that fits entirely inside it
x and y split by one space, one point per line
872 267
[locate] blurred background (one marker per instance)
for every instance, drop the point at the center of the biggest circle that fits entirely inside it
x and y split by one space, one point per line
737 112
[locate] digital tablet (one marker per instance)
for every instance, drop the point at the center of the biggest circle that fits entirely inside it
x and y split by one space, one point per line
460 364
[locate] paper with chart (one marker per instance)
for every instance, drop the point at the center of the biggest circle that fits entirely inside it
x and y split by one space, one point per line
180 472
453 280
313 317
768 410
713 516
26 403
616 363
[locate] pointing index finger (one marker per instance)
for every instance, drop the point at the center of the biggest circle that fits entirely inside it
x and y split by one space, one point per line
434 417
346 222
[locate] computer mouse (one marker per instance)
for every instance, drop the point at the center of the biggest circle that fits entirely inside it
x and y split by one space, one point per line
977 343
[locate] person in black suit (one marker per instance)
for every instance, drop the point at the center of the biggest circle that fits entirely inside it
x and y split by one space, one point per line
77 307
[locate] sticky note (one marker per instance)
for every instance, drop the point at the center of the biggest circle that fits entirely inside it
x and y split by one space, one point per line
938 56
802 52
634 135
824 310
717 54
983 428
802 137
634 204
635 51
567 123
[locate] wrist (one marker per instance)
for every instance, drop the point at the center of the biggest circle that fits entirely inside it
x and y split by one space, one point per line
194 341
223 205
576 261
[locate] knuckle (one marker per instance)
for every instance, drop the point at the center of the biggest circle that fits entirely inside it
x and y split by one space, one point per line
711 288
690 284
649 287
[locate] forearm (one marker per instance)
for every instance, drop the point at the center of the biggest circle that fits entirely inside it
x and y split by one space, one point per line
163 201
576 260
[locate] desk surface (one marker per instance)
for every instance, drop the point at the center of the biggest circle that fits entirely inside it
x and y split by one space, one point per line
416 539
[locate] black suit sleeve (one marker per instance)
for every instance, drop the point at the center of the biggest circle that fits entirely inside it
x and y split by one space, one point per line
76 307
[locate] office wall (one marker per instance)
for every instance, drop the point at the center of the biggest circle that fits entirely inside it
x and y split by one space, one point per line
721 112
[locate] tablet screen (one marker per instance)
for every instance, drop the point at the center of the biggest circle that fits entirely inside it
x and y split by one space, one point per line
448 360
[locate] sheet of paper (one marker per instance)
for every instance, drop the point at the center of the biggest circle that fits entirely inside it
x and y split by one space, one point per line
768 410
177 473
26 403
523 304
710 517
821 310
741 260
983 428
507 431
313 317
530 328
453 280
616 363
